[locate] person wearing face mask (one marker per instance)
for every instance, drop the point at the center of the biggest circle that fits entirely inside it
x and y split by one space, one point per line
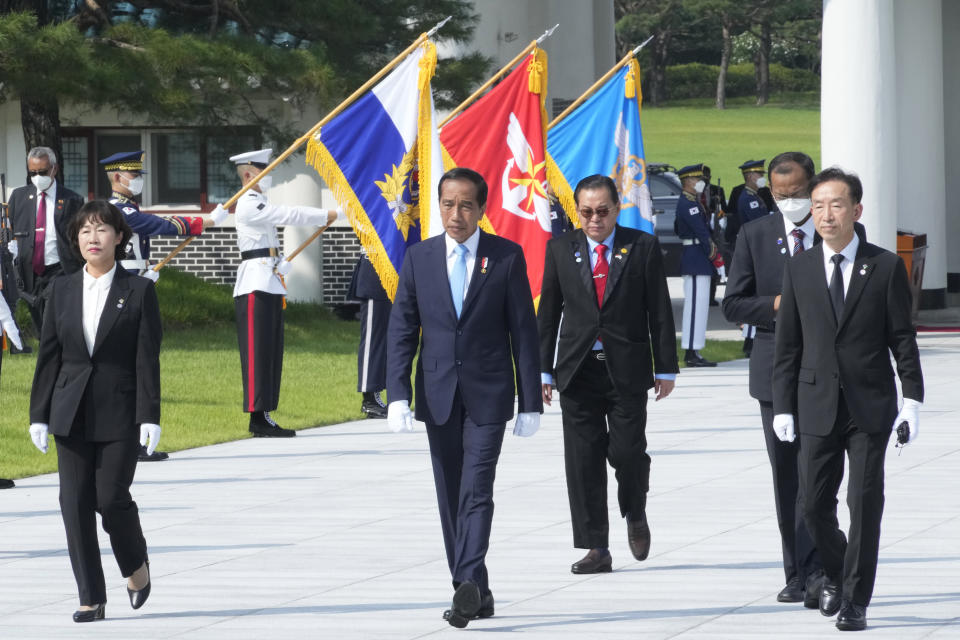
696 264
125 171
41 214
259 291
753 297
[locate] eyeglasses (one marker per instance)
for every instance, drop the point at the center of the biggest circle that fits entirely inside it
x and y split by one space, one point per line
41 172
589 213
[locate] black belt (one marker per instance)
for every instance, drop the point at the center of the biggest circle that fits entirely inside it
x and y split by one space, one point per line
269 252
598 354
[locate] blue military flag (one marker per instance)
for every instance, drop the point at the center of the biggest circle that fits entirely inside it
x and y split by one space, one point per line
379 156
603 135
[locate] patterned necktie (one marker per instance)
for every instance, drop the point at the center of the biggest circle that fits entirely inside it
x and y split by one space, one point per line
836 287
40 235
458 277
600 272
797 234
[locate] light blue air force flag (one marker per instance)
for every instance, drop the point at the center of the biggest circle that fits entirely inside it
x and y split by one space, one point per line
603 136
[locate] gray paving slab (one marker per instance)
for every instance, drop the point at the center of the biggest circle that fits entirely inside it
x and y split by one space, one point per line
335 534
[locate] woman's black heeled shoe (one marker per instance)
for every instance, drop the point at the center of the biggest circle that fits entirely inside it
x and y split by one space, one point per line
89 615
137 598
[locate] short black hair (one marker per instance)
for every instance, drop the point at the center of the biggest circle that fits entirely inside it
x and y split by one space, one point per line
597 181
780 164
465 173
101 211
837 174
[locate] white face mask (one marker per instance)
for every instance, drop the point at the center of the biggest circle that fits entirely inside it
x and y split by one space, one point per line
265 183
135 185
700 186
42 183
761 182
795 209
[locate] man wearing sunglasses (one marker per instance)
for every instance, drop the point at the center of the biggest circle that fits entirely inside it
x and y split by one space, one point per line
617 342
40 213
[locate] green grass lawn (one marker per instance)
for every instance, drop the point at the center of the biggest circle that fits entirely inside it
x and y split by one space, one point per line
724 139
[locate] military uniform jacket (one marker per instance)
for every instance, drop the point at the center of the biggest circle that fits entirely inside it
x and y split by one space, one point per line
145 225
691 226
750 206
256 229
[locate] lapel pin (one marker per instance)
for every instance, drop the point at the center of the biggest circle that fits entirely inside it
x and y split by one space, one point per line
783 249
623 250
619 256
120 303
779 241
483 264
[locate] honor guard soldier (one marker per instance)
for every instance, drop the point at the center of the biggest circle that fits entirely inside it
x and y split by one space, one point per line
259 291
750 206
365 286
696 263
125 172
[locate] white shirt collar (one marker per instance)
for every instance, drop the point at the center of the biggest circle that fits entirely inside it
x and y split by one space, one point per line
103 282
849 252
470 243
809 229
592 244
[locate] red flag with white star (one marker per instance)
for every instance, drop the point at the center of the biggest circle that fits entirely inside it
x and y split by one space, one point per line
502 136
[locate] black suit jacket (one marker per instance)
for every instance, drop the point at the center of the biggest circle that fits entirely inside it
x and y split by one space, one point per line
23 214
636 318
815 356
755 279
495 336
119 385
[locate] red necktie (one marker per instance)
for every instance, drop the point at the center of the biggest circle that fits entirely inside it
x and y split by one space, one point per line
600 272
797 234
40 235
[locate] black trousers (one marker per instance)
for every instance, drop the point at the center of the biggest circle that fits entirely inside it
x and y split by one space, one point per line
601 425
96 477
372 353
36 300
800 558
853 563
260 337
464 456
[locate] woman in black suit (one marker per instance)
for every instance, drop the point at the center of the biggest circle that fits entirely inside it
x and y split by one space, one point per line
96 386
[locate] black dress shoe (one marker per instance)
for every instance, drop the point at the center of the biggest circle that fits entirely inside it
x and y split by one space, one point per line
830 596
89 615
156 456
811 597
793 592
137 598
596 561
372 405
263 426
694 359
853 617
485 610
6 484
638 536
465 606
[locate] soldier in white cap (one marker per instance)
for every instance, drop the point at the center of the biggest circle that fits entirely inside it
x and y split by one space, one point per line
259 291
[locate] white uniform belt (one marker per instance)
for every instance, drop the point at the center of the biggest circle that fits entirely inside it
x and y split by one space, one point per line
690 241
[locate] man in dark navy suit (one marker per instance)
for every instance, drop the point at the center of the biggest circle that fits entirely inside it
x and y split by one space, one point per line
464 299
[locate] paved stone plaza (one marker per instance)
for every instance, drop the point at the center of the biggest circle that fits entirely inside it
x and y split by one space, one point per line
335 534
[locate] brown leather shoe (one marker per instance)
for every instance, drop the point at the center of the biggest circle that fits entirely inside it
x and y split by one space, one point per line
596 561
638 535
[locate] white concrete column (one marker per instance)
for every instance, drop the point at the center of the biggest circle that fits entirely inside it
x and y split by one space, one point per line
921 199
858 109
951 101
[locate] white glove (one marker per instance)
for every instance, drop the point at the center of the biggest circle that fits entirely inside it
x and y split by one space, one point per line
151 274
38 433
284 267
526 425
13 248
8 325
218 215
399 416
783 427
910 413
150 433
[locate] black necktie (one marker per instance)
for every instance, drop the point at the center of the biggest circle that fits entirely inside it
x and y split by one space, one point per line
836 287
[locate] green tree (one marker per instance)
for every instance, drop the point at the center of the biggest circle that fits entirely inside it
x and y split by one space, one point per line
211 63
637 20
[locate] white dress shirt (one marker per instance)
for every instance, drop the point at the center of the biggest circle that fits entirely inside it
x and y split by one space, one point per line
846 267
809 230
49 197
95 292
471 244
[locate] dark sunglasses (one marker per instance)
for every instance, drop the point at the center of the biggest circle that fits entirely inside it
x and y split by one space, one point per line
589 213
42 172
